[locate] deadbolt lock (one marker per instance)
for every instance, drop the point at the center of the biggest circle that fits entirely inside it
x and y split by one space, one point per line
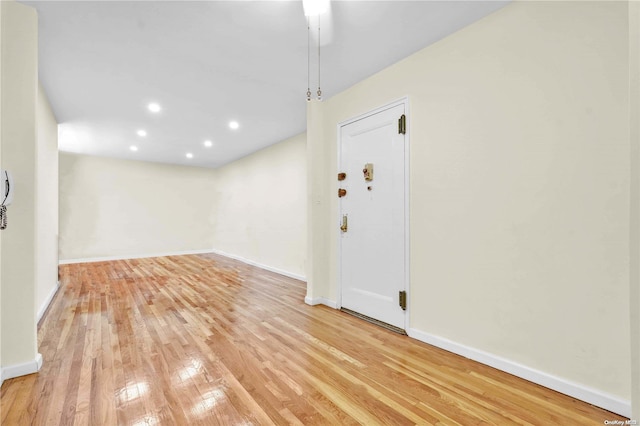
341 192
368 172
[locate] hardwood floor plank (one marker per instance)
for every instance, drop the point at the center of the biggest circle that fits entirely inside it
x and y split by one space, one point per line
207 340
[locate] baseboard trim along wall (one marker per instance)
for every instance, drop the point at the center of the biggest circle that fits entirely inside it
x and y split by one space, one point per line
132 256
576 390
23 369
260 265
47 302
320 301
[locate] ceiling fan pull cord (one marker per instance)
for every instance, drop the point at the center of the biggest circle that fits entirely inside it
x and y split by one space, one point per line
319 91
308 60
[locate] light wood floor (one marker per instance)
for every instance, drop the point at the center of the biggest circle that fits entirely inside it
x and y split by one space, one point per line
204 340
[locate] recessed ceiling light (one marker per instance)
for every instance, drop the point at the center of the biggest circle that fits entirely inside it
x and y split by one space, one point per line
234 125
154 107
133 148
208 144
142 133
189 155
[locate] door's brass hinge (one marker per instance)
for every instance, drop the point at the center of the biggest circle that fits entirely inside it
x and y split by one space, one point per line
403 300
402 124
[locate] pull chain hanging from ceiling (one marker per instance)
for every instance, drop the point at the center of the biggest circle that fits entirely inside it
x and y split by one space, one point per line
313 9
319 91
308 59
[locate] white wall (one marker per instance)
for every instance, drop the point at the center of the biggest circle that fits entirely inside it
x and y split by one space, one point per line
253 209
122 208
260 207
1 119
634 114
47 204
18 146
519 191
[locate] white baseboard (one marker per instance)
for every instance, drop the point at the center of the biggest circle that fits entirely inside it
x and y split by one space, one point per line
47 301
23 369
132 256
320 301
260 265
567 387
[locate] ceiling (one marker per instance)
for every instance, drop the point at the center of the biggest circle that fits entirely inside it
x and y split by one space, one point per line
209 62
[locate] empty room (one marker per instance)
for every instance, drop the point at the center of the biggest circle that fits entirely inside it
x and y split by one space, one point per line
319 212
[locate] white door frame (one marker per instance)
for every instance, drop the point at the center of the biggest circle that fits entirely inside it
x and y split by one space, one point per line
407 280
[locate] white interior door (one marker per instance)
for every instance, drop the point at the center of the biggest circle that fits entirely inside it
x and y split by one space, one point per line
372 249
